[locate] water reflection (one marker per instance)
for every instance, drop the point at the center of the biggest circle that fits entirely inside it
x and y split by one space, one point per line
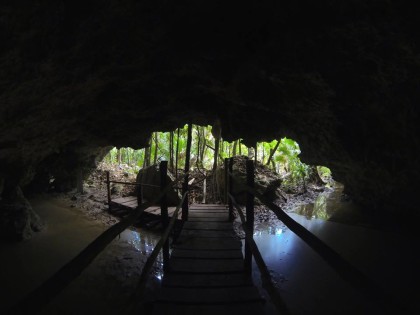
144 242
264 228
317 210
325 205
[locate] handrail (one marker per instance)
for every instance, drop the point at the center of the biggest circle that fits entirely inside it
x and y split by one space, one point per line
38 298
265 273
129 183
343 268
141 286
338 263
347 271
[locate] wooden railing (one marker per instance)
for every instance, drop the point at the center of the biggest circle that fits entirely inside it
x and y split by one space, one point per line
344 269
35 301
163 244
139 190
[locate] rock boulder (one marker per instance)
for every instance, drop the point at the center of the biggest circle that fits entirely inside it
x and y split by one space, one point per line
151 176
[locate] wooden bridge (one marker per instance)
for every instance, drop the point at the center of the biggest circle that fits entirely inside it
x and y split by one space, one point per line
206 272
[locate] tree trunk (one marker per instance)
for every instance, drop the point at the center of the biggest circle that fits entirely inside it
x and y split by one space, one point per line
119 156
240 145
216 153
256 152
197 162
272 151
171 151
176 155
156 148
235 143
147 154
250 152
203 145
186 174
263 153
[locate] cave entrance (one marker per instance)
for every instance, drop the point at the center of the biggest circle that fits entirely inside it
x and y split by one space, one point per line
278 166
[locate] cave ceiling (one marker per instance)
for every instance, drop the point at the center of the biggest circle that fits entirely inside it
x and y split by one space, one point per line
342 78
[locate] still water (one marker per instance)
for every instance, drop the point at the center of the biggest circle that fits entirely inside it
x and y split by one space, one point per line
309 286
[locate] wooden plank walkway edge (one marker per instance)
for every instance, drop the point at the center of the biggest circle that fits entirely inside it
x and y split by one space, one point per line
206 269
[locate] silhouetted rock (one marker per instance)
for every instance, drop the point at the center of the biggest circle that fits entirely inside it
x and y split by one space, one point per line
150 177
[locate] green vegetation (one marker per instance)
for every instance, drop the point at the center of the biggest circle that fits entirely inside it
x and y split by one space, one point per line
280 155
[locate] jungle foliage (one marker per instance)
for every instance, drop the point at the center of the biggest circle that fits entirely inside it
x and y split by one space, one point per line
281 155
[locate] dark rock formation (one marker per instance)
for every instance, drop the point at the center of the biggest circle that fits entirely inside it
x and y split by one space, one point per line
17 219
150 177
340 77
266 182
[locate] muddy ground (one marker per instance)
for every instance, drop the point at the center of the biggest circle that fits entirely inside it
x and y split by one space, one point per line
93 201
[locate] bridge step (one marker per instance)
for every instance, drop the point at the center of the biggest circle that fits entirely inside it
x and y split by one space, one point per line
224 218
206 273
222 215
207 233
213 254
174 309
210 243
218 226
191 296
206 265
206 280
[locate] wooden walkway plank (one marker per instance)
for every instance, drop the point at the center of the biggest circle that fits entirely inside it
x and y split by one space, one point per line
208 243
182 265
203 211
124 199
237 309
206 280
208 215
130 203
206 273
217 226
205 254
191 296
207 233
198 219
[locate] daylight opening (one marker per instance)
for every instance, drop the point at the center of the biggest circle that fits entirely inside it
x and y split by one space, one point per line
280 174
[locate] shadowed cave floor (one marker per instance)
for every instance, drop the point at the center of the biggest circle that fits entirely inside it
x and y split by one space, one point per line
307 284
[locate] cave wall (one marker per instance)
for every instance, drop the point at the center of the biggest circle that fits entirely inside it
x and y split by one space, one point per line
342 78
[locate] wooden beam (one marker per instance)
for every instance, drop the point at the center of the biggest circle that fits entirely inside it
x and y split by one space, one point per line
108 189
249 213
186 170
265 275
226 165
230 188
163 169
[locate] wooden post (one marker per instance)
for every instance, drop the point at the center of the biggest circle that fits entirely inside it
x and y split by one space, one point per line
204 187
230 188
249 213
186 170
108 189
163 169
139 194
226 165
256 152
